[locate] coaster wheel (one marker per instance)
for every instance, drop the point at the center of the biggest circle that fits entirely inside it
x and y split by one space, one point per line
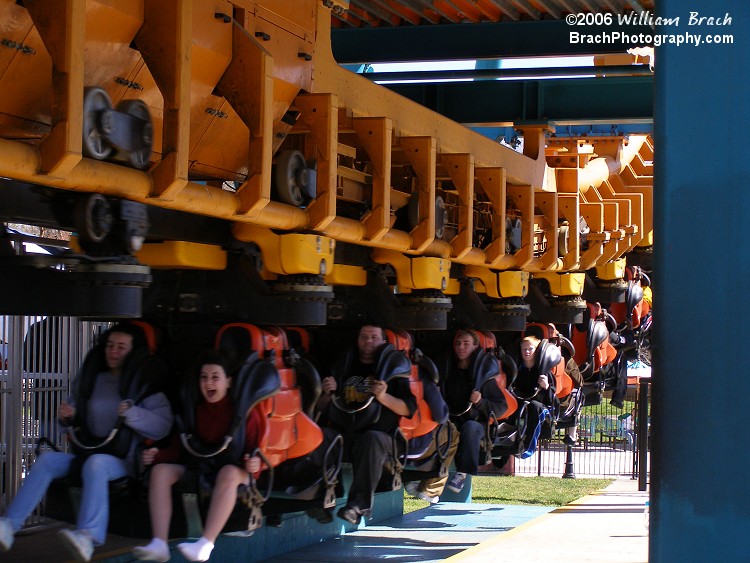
137 108
291 177
97 106
440 214
94 219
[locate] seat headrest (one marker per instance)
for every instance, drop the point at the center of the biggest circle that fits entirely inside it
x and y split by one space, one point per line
239 339
485 367
391 362
596 335
257 380
427 368
487 340
149 333
400 339
548 355
633 296
541 330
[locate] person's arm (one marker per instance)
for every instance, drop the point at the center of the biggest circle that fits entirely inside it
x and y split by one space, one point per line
329 387
169 453
152 418
405 406
253 436
491 400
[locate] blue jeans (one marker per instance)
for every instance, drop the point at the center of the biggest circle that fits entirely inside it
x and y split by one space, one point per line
98 470
467 456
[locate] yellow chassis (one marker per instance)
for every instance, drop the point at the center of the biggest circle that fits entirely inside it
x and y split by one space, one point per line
218 78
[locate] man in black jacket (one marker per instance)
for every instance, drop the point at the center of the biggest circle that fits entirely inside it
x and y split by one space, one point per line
473 396
376 375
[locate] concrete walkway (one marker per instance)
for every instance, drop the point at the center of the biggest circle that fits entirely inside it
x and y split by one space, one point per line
605 527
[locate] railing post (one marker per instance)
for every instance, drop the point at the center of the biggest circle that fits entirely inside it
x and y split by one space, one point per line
569 468
642 433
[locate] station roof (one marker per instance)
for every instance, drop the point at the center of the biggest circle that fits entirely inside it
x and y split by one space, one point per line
406 13
613 97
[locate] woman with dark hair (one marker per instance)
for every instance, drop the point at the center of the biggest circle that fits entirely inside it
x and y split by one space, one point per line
213 420
110 390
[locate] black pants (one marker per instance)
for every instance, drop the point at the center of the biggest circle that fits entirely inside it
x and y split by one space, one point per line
467 457
371 452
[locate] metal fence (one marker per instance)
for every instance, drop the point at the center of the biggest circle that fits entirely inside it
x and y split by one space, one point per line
608 443
38 357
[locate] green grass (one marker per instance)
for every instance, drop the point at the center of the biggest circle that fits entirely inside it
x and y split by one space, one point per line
540 491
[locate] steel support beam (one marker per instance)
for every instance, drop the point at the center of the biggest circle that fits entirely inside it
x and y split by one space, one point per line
478 41
617 100
698 511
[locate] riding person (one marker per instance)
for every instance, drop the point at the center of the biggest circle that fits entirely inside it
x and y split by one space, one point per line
374 371
213 420
96 406
473 397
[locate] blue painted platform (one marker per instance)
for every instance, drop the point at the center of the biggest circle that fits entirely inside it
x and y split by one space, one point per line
430 534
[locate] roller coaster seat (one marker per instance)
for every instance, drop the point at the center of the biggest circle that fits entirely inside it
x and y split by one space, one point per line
306 460
630 312
486 369
427 435
550 358
423 421
518 435
289 432
143 373
359 411
507 374
591 340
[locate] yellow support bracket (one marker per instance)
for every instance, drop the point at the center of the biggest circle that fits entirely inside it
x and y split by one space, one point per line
346 274
564 285
614 270
375 134
460 168
500 285
180 254
320 115
291 253
163 40
415 273
64 35
421 153
453 287
248 86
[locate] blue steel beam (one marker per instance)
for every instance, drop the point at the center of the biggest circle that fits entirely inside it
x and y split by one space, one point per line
504 73
699 501
581 101
479 41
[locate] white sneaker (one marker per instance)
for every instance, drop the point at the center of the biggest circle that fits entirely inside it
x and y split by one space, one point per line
157 550
412 488
7 534
428 498
196 551
79 544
